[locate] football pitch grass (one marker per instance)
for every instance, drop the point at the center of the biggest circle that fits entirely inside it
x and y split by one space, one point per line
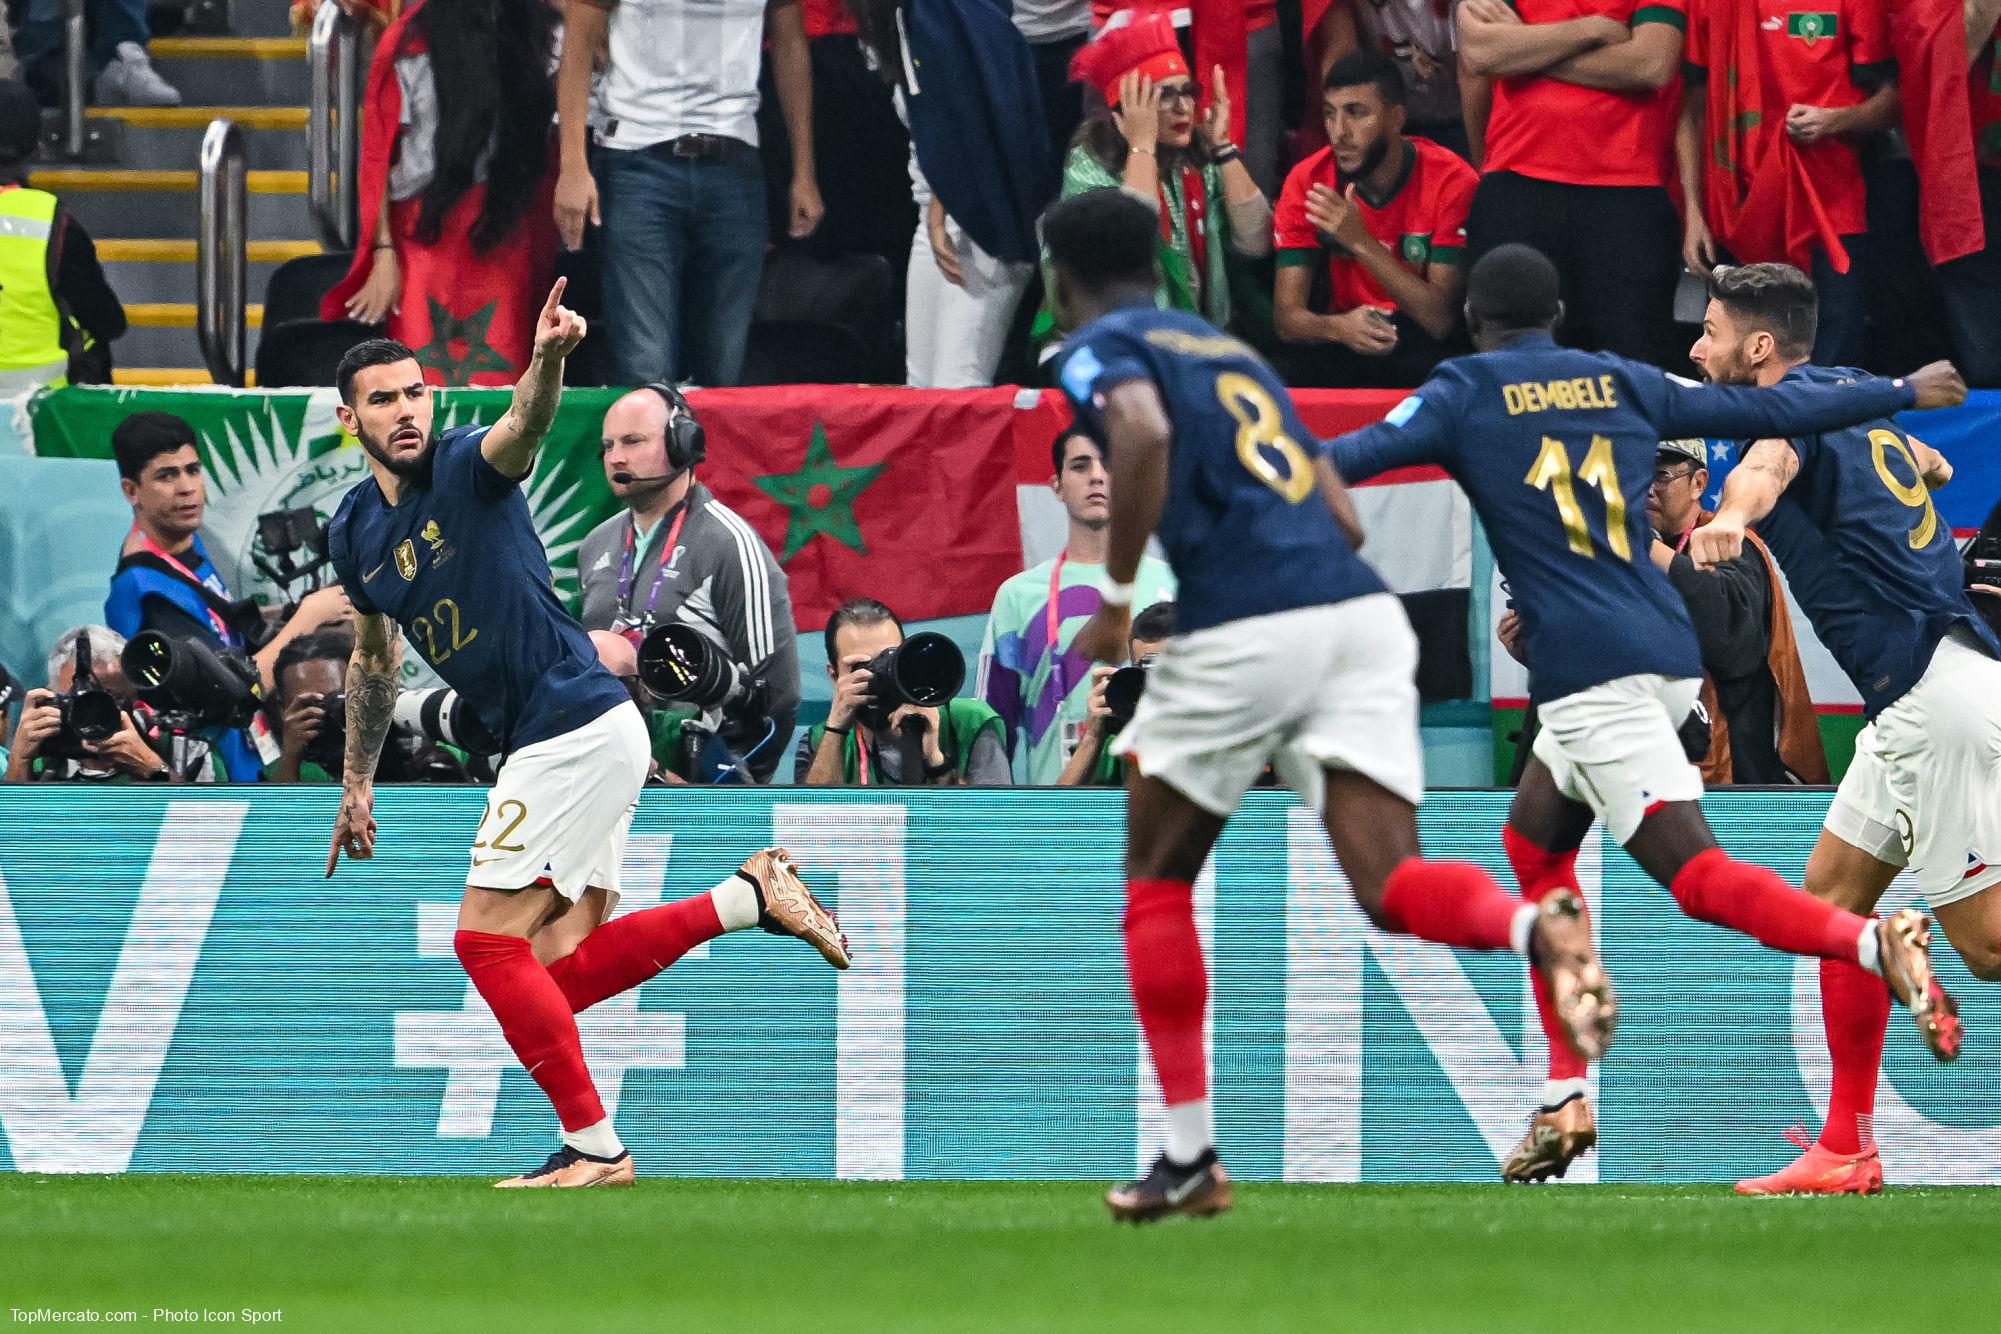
368 1254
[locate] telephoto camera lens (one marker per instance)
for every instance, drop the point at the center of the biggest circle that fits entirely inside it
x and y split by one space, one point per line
188 677
1123 689
925 670
680 663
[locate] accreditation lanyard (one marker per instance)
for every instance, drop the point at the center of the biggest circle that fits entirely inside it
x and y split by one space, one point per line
625 569
146 541
1053 623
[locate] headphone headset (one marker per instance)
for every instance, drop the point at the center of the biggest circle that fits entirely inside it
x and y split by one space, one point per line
687 442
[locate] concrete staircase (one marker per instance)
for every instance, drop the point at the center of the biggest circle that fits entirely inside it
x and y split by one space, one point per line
141 211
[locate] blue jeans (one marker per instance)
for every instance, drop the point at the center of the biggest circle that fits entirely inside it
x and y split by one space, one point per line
683 252
40 46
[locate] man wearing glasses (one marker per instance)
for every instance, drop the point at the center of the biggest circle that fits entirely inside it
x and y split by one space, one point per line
1754 703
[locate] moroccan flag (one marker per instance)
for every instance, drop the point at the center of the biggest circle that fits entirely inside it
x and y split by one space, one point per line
1757 197
903 496
1929 39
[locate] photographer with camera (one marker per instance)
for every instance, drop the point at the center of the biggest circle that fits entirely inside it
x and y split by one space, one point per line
165 582
85 728
895 721
680 557
309 713
1115 693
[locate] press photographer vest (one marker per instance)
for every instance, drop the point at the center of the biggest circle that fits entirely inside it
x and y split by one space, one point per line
31 345
963 720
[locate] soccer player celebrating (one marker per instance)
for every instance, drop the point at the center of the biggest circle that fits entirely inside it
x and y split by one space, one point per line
439 541
1556 449
1289 650
1849 516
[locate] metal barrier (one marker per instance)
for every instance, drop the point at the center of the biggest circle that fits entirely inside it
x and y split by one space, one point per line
333 125
221 257
75 65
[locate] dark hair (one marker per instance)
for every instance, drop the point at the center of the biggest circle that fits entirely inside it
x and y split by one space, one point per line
1059 448
320 645
490 64
374 352
1154 624
1098 134
1775 298
20 124
143 437
1370 67
1515 287
1102 238
857 611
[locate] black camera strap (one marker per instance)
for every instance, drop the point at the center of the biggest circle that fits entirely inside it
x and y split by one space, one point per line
241 615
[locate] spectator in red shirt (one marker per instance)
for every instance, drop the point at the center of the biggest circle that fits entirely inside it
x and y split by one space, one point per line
1973 284
1575 151
1829 76
1383 217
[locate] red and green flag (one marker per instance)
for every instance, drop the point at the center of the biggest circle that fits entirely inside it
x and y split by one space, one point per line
908 498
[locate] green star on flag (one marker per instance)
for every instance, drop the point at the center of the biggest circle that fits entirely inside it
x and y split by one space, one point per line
447 328
820 497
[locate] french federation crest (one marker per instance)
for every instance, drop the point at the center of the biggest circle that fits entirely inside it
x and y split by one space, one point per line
406 560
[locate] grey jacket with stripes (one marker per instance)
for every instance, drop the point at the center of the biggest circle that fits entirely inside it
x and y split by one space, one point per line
722 579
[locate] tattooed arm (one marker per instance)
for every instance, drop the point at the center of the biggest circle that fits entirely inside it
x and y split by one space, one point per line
371 701
511 443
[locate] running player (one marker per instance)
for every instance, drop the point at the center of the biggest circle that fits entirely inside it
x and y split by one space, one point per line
1288 650
439 541
1556 448
1848 515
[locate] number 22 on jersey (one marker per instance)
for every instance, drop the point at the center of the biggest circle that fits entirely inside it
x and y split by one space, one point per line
1551 472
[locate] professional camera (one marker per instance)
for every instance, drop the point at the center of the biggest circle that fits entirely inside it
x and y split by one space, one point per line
192 686
679 663
440 715
422 721
925 671
89 712
1122 691
281 535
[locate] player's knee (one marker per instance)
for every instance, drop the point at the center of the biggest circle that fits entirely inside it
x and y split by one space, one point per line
1983 960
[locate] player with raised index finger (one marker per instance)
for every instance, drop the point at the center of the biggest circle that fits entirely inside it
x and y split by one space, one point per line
439 541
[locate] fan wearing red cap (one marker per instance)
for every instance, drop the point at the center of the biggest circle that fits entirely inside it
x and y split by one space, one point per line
1157 140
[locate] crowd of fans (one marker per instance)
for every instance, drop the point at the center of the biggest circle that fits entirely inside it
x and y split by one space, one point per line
1380 148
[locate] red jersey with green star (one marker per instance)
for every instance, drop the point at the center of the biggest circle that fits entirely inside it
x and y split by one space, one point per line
1422 221
1817 53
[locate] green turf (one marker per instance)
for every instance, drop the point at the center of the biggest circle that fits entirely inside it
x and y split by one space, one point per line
397 1254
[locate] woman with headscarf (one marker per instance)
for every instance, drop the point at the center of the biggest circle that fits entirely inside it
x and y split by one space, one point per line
1152 143
456 187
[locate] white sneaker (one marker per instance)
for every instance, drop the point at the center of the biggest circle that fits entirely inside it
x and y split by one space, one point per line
131 81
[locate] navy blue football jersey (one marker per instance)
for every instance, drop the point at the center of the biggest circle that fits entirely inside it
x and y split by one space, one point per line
1244 527
1867 556
1556 450
458 566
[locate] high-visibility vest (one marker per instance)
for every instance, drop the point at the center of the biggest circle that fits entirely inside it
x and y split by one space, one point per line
31 345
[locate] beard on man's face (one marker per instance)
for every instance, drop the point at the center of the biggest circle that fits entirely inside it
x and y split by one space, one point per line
416 465
1372 159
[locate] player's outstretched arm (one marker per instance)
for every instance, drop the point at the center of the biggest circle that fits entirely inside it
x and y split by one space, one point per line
1749 493
1794 407
1137 435
511 444
371 702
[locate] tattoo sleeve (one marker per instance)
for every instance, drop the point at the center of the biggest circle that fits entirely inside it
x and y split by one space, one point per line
371 693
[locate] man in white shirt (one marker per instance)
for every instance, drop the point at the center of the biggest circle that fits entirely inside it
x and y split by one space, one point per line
675 180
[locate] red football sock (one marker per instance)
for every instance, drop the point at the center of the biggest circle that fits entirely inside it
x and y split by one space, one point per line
1169 985
1855 1008
1540 873
619 955
535 1019
1714 888
1453 903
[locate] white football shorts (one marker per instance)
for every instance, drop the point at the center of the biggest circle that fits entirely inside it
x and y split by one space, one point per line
1305 690
1924 789
560 809
1616 747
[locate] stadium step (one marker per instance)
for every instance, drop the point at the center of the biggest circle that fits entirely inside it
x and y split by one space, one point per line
141 212
243 71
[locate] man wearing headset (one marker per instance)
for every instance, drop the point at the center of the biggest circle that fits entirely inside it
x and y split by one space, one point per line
679 554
